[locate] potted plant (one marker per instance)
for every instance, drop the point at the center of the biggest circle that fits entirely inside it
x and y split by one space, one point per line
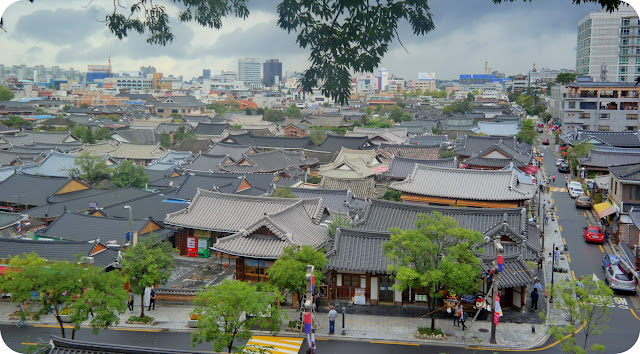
65 315
193 320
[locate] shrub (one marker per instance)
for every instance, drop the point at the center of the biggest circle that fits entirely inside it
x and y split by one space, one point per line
145 319
427 331
292 324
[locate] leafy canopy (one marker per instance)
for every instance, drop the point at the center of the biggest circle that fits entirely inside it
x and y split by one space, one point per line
293 112
5 94
92 169
272 115
289 271
282 192
230 310
397 114
129 174
17 122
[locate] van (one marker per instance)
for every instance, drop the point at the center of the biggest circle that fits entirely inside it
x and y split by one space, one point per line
575 192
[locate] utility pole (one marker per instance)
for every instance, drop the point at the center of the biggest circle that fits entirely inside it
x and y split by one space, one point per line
496 296
553 269
309 325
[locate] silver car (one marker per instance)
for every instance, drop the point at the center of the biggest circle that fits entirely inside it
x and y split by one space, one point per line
619 279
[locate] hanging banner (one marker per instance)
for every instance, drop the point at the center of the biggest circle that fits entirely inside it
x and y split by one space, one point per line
497 310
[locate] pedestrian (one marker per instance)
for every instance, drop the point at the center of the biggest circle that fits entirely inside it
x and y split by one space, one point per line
130 302
333 314
456 314
538 286
556 255
152 299
540 263
534 300
463 317
549 179
23 314
553 178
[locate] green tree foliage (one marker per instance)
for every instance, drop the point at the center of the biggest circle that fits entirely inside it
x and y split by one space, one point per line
85 133
293 112
579 149
457 107
260 111
272 115
284 192
17 122
229 311
447 154
338 221
81 291
182 134
129 174
165 140
92 169
399 115
147 264
377 123
528 132
392 195
220 108
102 133
565 78
317 136
249 111
525 101
5 94
288 272
437 254
84 105
471 97
40 111
581 305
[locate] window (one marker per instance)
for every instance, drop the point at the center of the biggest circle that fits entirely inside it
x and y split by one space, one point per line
622 70
622 78
632 116
255 270
160 110
635 192
625 22
585 115
351 280
587 105
615 188
624 32
572 105
631 128
624 60
174 111
624 41
603 128
624 51
604 116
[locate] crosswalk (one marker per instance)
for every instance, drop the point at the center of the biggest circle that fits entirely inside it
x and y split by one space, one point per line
274 345
558 189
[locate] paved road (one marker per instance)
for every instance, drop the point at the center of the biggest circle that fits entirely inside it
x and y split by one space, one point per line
585 261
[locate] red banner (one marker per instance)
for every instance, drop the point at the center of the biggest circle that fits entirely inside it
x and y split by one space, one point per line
497 310
564 147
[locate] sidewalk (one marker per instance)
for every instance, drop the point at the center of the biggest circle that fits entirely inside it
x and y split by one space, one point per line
358 327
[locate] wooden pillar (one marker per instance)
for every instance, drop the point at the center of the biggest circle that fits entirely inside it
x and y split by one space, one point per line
368 289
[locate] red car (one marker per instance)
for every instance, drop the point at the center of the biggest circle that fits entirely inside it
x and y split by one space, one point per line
593 234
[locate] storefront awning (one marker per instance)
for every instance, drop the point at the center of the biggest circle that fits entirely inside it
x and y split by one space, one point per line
530 170
604 209
564 147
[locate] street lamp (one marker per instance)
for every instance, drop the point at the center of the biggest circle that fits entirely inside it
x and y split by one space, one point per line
130 223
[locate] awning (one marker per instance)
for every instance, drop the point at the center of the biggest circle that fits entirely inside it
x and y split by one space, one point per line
530 170
565 152
603 209
564 147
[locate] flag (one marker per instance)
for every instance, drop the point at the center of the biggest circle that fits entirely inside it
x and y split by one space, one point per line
19 227
497 310
500 262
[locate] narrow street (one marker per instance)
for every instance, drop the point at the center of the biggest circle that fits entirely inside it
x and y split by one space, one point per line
585 260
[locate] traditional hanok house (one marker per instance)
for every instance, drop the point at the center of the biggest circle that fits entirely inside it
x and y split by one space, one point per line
624 139
423 152
429 140
355 168
401 167
283 163
268 142
295 130
21 192
256 184
340 201
469 145
470 188
33 137
8 224
140 154
327 151
166 106
212 131
496 157
257 238
57 164
513 281
108 230
136 136
195 146
506 129
381 136
599 161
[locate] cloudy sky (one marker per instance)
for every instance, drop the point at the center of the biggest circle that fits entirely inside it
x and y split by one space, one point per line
510 36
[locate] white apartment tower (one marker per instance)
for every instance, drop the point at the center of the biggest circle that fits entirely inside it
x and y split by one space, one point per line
609 45
249 70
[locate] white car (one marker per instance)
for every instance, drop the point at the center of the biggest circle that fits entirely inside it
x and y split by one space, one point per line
574 184
575 192
559 161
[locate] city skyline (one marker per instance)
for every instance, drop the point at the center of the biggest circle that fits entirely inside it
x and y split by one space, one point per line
511 37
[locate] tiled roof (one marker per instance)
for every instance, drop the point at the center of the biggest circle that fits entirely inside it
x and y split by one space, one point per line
361 188
168 128
388 135
522 177
209 129
598 158
260 184
138 152
54 165
382 215
629 172
234 151
30 190
498 155
39 137
205 162
7 219
289 226
269 141
140 136
334 143
471 144
177 156
334 199
424 152
195 146
351 164
82 227
8 171
465 184
525 245
175 101
359 251
615 139
327 121
55 251
267 162
401 167
497 128
159 165
321 156
100 148
219 211
419 126
515 272
152 205
457 123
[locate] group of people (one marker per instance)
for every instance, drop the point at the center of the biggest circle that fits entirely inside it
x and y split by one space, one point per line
149 298
460 316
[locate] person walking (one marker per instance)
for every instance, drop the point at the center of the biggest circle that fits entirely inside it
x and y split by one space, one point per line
130 302
556 255
333 314
463 317
152 299
456 314
534 300
540 263
553 178
23 315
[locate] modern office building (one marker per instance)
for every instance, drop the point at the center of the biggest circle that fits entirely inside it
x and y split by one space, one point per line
249 70
272 72
609 45
602 106
148 70
206 73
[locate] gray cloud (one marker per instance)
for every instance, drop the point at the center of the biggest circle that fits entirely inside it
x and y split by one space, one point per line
263 40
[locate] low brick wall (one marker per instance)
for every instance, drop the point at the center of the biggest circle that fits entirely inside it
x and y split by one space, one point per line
169 295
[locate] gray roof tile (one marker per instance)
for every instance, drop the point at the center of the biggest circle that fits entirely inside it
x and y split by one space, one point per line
361 188
598 158
401 167
56 251
359 251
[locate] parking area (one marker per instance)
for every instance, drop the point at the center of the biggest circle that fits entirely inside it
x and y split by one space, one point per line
194 273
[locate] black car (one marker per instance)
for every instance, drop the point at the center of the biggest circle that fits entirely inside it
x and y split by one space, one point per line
563 167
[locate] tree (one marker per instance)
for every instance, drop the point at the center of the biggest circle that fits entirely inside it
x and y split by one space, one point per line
565 78
17 122
165 140
579 149
399 115
447 154
86 134
40 111
248 111
284 192
436 255
392 195
317 136
456 107
338 221
92 169
528 132
84 105
182 134
293 111
72 287
271 115
220 108
260 111
147 264
129 174
289 271
5 94
583 303
230 310
103 133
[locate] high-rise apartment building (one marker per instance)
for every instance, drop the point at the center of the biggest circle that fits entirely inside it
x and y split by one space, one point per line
249 70
206 73
148 70
609 45
271 72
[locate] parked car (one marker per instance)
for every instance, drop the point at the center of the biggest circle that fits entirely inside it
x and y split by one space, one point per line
584 201
609 260
575 192
545 142
593 234
540 130
619 278
559 161
563 167
574 184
